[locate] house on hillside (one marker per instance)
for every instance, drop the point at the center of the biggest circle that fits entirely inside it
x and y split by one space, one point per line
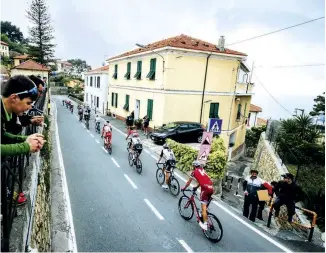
183 79
253 119
97 88
19 59
4 49
64 67
30 67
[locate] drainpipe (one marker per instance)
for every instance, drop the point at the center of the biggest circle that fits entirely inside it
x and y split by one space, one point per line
204 86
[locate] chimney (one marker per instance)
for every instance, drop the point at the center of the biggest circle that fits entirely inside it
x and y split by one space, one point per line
221 44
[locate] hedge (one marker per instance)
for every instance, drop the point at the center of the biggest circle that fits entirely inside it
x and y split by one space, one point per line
185 155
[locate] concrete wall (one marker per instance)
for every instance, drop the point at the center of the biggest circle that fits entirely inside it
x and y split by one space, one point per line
15 72
59 90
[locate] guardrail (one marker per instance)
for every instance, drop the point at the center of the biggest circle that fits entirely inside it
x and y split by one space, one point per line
13 173
312 223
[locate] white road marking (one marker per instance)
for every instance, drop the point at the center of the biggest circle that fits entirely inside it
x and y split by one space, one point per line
105 150
179 176
92 135
115 162
153 157
97 141
72 239
84 126
119 131
185 245
146 151
277 244
87 130
158 215
131 182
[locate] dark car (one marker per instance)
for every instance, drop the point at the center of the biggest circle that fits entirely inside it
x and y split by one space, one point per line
181 131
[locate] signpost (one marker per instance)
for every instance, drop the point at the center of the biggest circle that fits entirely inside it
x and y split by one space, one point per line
205 147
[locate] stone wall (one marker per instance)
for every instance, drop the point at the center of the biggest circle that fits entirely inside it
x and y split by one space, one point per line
59 90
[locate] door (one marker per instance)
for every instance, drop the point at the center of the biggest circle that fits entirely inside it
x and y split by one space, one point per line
183 133
137 109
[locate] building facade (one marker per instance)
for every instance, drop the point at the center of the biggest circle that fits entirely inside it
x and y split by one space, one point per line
4 49
96 88
254 112
183 79
30 67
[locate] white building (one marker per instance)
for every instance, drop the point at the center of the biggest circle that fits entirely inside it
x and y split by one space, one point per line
97 88
253 119
64 66
4 49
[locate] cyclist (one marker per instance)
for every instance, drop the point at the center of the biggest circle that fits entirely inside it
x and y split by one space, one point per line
86 114
97 122
131 131
107 132
63 102
169 158
135 143
80 113
207 189
71 108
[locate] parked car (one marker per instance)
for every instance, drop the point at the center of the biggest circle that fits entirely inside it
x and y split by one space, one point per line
181 131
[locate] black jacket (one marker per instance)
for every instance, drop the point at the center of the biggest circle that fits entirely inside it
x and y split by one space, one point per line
288 192
14 126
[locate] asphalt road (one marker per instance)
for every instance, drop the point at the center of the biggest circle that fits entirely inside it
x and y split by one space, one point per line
116 209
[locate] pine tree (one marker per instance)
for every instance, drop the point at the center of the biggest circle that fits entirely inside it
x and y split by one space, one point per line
41 33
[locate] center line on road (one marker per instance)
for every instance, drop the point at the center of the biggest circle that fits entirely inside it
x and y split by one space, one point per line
153 157
131 182
185 245
115 162
146 151
104 150
92 135
97 141
159 216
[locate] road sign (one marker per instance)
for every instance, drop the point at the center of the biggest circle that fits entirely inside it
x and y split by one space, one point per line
215 126
207 138
203 153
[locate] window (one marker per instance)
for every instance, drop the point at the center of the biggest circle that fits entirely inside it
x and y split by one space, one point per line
91 83
115 75
112 99
98 82
86 97
243 74
126 106
97 102
138 73
91 99
239 112
127 75
213 110
151 74
150 109
116 100
244 111
184 127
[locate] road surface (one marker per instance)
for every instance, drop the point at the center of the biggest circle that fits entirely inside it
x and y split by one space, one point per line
116 209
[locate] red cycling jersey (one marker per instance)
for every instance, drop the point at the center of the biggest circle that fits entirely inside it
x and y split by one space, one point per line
202 178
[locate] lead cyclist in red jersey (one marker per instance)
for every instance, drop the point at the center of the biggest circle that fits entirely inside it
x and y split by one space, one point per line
207 189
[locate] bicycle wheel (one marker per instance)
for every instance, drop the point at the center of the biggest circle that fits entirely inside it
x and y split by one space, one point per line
185 205
214 231
174 186
110 149
131 162
160 177
139 166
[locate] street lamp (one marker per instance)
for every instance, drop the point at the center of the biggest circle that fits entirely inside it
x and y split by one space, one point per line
142 46
297 109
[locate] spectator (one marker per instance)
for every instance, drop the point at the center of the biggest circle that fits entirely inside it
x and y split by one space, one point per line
130 120
261 204
45 84
287 193
39 83
17 97
250 187
146 124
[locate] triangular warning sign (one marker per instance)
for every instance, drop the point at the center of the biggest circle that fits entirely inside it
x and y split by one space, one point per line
203 156
215 127
207 141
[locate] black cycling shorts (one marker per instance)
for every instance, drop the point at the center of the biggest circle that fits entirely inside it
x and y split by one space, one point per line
169 164
138 148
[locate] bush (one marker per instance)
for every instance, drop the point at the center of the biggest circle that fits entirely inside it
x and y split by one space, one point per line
185 155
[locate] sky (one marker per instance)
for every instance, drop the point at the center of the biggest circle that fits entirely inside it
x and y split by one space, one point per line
98 29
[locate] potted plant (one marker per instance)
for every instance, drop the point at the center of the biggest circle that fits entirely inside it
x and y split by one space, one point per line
138 123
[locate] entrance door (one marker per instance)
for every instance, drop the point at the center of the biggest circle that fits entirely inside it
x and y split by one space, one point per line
137 109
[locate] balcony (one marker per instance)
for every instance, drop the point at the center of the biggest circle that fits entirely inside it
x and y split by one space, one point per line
244 89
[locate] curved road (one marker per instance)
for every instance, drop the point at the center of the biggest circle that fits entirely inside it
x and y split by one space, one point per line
116 209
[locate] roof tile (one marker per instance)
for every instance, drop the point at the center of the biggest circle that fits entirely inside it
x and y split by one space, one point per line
31 65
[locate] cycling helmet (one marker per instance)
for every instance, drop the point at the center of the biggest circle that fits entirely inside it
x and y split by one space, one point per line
165 146
135 135
196 164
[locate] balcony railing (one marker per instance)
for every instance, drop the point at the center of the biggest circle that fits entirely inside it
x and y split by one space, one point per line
245 89
13 173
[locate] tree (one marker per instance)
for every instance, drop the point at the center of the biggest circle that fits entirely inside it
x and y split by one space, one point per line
319 106
79 65
13 32
41 34
13 46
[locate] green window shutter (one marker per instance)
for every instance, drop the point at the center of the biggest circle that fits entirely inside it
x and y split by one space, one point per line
150 109
138 73
151 74
213 110
112 99
127 75
116 100
115 75
126 106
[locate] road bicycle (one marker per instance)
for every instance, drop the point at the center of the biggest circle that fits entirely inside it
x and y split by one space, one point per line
213 224
173 183
133 157
97 127
108 145
87 123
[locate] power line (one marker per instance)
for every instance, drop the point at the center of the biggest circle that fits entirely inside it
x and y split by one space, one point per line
286 28
293 66
272 95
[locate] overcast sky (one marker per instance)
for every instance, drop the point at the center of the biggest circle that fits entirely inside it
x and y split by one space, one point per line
98 29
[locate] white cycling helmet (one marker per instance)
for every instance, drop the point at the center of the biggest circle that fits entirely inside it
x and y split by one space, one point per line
196 164
135 135
165 146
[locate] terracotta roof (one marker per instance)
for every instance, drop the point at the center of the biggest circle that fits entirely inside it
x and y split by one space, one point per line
181 41
255 108
261 122
4 43
104 68
31 65
22 57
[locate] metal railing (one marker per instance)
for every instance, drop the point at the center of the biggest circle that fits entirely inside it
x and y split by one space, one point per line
13 173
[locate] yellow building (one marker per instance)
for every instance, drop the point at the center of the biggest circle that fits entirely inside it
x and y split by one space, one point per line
183 79
30 67
4 49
